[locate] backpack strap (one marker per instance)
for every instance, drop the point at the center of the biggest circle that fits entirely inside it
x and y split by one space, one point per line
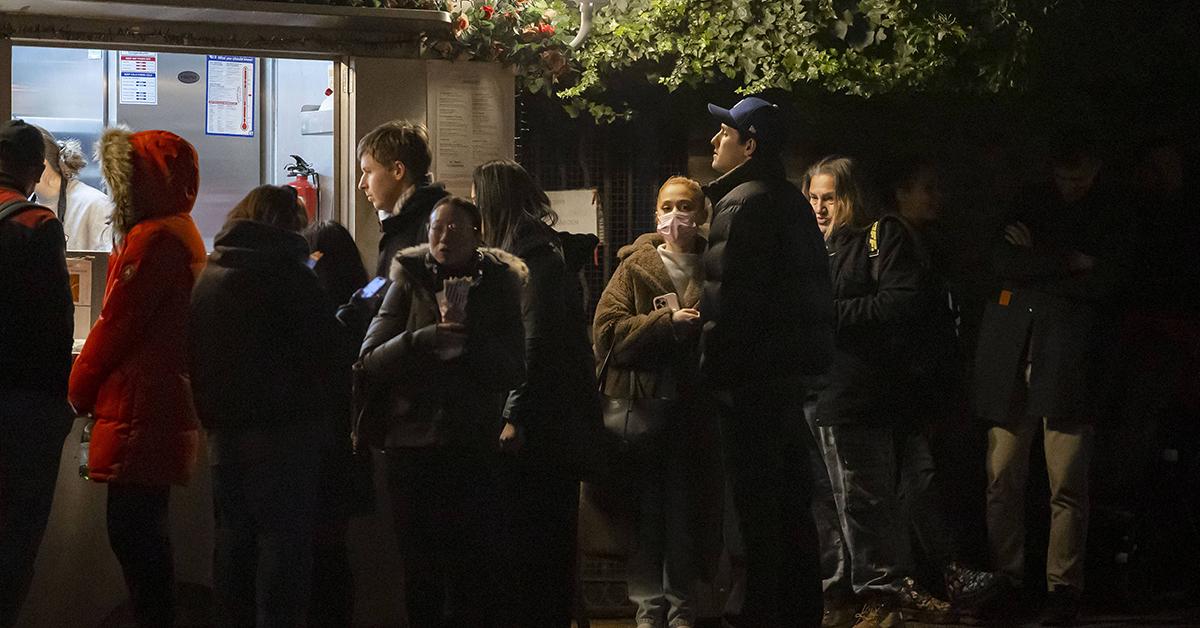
14 207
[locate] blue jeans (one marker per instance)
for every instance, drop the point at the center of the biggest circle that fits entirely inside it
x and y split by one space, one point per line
265 495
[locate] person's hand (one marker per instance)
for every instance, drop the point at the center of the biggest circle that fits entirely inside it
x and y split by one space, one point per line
1080 262
685 322
449 340
1018 234
512 438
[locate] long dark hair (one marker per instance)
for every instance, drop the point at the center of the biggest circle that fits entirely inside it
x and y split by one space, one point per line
510 202
275 205
340 268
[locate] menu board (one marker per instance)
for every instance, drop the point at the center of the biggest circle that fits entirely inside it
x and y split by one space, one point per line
470 119
138 77
230 96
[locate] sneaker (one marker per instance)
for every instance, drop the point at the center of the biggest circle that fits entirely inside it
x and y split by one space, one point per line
880 613
917 604
840 614
970 589
1062 607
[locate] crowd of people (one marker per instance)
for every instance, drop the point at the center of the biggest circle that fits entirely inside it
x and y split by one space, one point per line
767 375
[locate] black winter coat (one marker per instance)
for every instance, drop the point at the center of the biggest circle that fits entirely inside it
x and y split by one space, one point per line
882 298
1063 320
265 348
432 402
767 304
409 227
36 313
557 404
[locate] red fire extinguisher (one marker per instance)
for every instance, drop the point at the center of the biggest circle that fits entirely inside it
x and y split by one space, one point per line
308 193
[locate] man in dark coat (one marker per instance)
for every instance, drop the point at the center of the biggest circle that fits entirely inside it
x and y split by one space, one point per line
1038 367
36 323
767 311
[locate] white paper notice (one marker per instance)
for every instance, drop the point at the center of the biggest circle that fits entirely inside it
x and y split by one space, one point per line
470 120
230 89
138 77
577 210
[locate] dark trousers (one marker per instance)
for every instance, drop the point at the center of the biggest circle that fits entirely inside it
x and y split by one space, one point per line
264 495
766 446
32 429
447 517
332 600
139 535
541 542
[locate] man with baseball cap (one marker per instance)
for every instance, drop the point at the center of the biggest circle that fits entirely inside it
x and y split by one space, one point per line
767 309
35 360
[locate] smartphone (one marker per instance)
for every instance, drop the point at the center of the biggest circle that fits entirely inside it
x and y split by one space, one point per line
312 260
373 287
668 300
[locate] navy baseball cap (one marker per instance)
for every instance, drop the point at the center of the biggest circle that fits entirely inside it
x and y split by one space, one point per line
21 144
753 117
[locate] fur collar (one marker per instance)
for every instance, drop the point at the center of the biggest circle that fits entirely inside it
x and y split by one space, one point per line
496 258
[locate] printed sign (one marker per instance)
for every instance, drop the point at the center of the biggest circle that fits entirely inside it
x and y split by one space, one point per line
138 77
230 96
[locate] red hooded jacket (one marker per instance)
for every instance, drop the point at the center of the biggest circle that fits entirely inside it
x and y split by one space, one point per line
132 372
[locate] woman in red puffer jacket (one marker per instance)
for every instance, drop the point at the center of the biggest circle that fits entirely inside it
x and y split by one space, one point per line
132 372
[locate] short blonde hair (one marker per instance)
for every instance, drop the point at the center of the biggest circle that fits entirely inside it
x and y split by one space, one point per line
697 193
402 141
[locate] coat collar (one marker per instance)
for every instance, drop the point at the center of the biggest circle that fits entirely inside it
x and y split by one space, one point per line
752 170
643 258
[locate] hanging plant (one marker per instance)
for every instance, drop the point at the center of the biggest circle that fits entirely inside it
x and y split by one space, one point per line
532 36
435 5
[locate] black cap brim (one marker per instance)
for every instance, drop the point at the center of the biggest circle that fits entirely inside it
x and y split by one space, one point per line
724 116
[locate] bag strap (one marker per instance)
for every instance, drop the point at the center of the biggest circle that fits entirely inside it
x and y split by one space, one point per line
14 207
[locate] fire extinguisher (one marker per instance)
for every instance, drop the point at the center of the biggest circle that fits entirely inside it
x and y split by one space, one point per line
308 193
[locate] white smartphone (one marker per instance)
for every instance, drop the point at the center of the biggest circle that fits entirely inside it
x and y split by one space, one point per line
668 300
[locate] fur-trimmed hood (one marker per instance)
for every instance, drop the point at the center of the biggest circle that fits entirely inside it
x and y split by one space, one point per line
417 257
150 174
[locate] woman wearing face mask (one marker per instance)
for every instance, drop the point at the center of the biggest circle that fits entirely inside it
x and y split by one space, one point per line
449 343
86 213
651 352
879 290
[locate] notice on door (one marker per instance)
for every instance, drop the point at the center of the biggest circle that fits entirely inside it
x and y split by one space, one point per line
138 77
470 119
230 94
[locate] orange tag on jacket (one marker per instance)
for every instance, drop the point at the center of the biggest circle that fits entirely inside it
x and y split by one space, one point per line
1005 297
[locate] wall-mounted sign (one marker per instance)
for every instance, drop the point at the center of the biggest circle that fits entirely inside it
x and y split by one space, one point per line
138 77
230 96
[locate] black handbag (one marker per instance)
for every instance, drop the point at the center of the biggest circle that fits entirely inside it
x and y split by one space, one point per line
633 419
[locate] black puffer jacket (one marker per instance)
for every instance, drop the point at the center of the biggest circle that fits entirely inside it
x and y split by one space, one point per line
36 314
881 296
408 227
264 346
432 402
767 304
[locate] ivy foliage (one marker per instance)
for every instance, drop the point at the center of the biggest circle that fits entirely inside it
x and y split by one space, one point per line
857 47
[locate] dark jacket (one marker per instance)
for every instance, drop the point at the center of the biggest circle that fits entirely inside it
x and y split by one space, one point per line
458 402
1063 321
767 304
264 344
557 403
408 227
880 301
36 313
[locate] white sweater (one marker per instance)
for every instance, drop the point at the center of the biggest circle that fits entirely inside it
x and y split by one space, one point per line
684 268
87 217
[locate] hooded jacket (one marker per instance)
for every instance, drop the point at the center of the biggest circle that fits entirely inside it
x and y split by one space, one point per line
767 305
641 339
458 402
36 313
265 349
132 372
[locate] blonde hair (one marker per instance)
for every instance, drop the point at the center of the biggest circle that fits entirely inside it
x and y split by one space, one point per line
702 209
853 209
66 159
402 141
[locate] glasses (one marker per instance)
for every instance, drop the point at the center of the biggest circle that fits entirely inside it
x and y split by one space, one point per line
454 227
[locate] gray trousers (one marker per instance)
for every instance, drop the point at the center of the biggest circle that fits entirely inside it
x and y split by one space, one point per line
864 543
